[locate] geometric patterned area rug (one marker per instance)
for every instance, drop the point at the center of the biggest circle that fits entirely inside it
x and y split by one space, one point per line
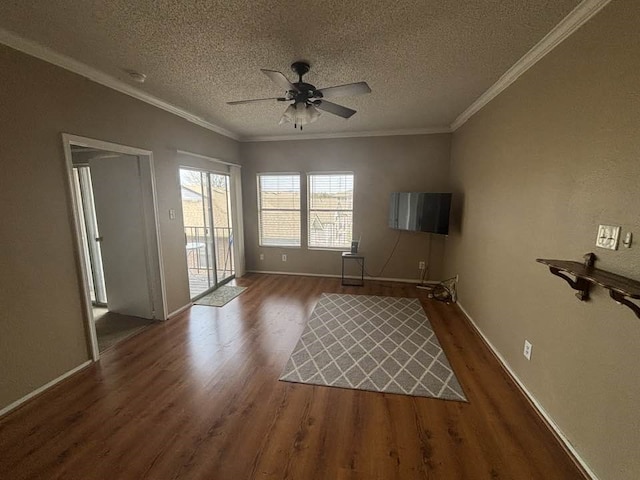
381 344
220 296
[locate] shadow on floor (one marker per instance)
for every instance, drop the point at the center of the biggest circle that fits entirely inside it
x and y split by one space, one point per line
112 328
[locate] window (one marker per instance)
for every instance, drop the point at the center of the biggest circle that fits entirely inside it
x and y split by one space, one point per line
330 210
279 210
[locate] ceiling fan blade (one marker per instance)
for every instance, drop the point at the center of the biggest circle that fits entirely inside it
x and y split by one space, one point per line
279 79
334 108
240 102
351 89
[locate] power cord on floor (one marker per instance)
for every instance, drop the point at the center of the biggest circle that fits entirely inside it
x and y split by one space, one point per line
393 250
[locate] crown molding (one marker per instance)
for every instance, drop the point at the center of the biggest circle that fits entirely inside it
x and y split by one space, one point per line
48 55
318 136
572 22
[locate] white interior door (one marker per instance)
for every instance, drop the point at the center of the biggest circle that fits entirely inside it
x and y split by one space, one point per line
117 191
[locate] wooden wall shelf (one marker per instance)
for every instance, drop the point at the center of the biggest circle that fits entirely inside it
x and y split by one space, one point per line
620 288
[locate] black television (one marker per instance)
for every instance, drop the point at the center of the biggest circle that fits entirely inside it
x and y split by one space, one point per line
420 212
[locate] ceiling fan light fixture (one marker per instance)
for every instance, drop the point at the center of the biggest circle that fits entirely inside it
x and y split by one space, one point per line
300 114
313 113
289 115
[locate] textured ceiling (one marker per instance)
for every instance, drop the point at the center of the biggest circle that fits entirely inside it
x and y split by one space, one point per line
425 60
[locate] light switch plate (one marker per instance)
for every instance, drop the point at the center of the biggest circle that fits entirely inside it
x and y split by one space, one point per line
608 237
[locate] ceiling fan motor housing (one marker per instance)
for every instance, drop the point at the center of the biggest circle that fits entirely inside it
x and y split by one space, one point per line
305 91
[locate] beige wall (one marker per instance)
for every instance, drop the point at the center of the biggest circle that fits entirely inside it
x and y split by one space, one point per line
539 168
381 165
41 327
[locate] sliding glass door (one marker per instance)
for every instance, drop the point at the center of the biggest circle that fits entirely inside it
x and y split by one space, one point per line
222 231
206 210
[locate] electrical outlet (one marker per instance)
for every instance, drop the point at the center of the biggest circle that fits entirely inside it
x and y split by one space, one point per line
172 214
421 265
527 350
262 256
284 257
608 236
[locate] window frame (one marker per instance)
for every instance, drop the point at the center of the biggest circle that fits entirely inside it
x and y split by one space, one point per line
309 209
260 209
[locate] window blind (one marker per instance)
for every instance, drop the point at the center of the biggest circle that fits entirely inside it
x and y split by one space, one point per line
330 210
279 210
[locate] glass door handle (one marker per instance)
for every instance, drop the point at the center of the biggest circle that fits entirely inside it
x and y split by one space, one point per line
99 239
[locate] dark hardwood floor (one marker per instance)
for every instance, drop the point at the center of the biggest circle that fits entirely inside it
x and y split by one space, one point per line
198 397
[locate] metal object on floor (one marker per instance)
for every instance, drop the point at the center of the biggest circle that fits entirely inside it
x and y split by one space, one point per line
360 260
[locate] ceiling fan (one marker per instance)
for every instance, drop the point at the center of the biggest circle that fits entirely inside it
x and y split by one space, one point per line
306 99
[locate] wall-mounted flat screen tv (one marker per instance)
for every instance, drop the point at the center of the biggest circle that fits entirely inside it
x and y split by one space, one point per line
420 212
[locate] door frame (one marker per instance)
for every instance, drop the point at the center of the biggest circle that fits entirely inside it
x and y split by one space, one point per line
186 160
232 221
154 248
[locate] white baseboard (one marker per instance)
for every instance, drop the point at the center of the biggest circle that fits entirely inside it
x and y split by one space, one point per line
180 310
44 387
559 433
328 275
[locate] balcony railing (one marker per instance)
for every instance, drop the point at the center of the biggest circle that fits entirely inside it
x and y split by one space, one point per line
202 249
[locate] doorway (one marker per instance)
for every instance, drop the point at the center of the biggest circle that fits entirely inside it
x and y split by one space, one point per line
116 223
208 230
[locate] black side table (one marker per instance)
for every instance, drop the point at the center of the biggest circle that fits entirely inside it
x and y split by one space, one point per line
358 258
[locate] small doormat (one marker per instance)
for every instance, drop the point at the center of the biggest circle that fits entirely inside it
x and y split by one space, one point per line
381 344
221 296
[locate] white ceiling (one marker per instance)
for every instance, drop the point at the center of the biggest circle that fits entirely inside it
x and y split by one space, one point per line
426 61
